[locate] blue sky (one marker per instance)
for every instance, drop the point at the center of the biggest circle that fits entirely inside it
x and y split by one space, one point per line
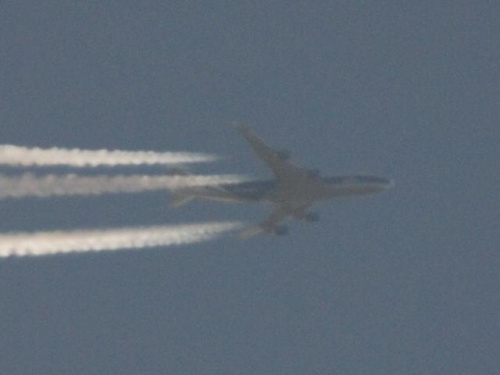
404 282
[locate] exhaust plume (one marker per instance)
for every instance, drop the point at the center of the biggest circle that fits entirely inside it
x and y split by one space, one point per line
24 156
60 242
29 185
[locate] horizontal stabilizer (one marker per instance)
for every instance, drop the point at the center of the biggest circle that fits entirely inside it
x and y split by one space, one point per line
180 198
250 232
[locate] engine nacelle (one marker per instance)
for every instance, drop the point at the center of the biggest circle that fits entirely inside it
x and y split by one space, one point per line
312 217
284 155
314 173
281 230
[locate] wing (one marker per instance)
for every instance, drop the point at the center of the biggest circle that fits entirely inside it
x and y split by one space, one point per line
283 169
267 226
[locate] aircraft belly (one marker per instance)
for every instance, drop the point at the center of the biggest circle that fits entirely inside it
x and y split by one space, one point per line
231 197
299 195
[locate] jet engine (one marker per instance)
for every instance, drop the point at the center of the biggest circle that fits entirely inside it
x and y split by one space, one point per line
281 230
312 217
284 155
314 173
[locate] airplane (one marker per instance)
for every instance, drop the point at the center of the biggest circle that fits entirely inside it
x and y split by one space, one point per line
293 190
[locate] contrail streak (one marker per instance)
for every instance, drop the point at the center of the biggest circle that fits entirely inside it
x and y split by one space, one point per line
29 185
59 242
24 156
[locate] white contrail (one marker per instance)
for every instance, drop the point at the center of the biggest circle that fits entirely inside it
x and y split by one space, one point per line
59 242
24 156
29 185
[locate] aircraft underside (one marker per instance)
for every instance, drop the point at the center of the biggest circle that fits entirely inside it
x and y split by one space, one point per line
291 193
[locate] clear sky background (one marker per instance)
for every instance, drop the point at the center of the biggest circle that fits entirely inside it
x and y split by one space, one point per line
405 282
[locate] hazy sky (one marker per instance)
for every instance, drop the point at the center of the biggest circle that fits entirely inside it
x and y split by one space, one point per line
405 282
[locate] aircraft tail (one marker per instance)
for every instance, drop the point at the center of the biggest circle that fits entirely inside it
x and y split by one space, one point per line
181 197
262 228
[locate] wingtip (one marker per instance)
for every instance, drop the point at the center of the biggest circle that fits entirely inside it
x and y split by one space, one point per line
242 128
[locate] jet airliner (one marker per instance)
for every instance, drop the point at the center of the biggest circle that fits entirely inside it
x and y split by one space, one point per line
293 190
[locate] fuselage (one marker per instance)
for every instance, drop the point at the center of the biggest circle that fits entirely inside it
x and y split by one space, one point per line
295 193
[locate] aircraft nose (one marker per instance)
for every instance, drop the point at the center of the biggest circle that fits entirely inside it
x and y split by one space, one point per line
383 184
378 184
